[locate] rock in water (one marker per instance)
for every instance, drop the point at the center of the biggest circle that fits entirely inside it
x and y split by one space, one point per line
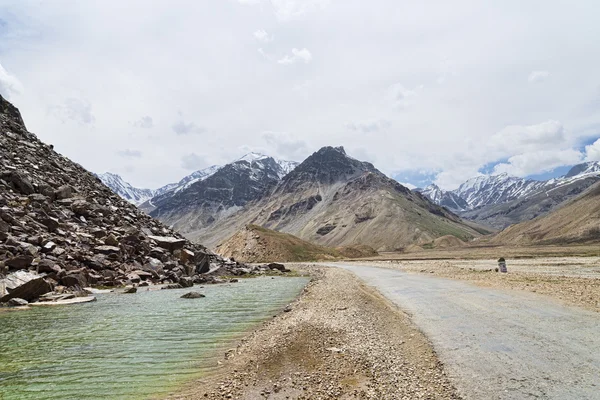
192 295
17 302
130 290
23 285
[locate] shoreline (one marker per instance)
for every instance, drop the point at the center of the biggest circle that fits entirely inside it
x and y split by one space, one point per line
338 339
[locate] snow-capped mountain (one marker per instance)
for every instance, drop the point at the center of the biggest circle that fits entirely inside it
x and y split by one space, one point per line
495 189
125 190
285 167
203 201
444 198
187 181
501 200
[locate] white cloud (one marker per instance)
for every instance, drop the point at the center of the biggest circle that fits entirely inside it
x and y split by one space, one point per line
297 56
538 162
74 109
187 128
400 97
446 83
516 139
9 84
286 145
193 162
538 76
286 10
592 151
145 122
369 126
263 36
130 153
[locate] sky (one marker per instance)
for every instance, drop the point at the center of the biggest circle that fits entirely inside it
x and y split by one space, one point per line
428 91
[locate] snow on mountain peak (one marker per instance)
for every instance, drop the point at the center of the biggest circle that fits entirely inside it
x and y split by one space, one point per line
252 156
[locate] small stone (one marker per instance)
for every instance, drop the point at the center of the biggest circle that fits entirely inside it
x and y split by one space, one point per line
192 295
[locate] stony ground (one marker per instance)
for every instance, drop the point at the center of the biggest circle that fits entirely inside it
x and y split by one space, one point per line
574 280
340 340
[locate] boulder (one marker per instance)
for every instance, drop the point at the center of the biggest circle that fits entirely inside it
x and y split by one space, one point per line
193 295
130 290
17 302
168 243
107 250
186 282
50 223
48 266
63 192
277 266
19 262
72 280
21 183
111 240
48 247
81 208
24 285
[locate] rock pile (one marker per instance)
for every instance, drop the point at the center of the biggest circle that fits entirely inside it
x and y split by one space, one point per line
60 223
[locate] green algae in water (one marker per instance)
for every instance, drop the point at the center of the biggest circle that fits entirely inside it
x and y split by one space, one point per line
130 346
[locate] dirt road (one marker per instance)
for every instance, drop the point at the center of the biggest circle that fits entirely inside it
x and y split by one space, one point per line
499 344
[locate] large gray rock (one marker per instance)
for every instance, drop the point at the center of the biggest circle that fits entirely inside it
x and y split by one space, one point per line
169 243
64 192
24 285
19 262
21 182
17 302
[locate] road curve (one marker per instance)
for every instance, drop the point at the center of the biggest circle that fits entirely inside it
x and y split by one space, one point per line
499 344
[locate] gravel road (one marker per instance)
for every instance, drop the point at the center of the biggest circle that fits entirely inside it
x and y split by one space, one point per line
499 344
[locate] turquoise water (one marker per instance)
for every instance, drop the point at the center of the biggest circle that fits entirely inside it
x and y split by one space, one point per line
130 346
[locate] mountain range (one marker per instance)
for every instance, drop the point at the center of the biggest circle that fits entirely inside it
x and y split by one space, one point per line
141 196
330 199
502 200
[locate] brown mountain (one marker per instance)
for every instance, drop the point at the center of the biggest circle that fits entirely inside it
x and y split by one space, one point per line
335 200
257 244
576 221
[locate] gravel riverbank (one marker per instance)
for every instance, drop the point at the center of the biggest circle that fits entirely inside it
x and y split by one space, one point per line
339 340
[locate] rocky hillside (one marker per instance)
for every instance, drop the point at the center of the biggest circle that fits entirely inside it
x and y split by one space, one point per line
203 203
256 244
335 200
501 200
59 220
576 221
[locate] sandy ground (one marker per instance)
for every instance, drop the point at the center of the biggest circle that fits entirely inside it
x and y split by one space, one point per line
340 340
574 280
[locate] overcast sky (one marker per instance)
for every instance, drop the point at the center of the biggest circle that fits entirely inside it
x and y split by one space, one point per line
426 90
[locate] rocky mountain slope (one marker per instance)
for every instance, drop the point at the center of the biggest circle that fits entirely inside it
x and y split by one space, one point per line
204 202
333 200
59 220
256 244
575 221
502 200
